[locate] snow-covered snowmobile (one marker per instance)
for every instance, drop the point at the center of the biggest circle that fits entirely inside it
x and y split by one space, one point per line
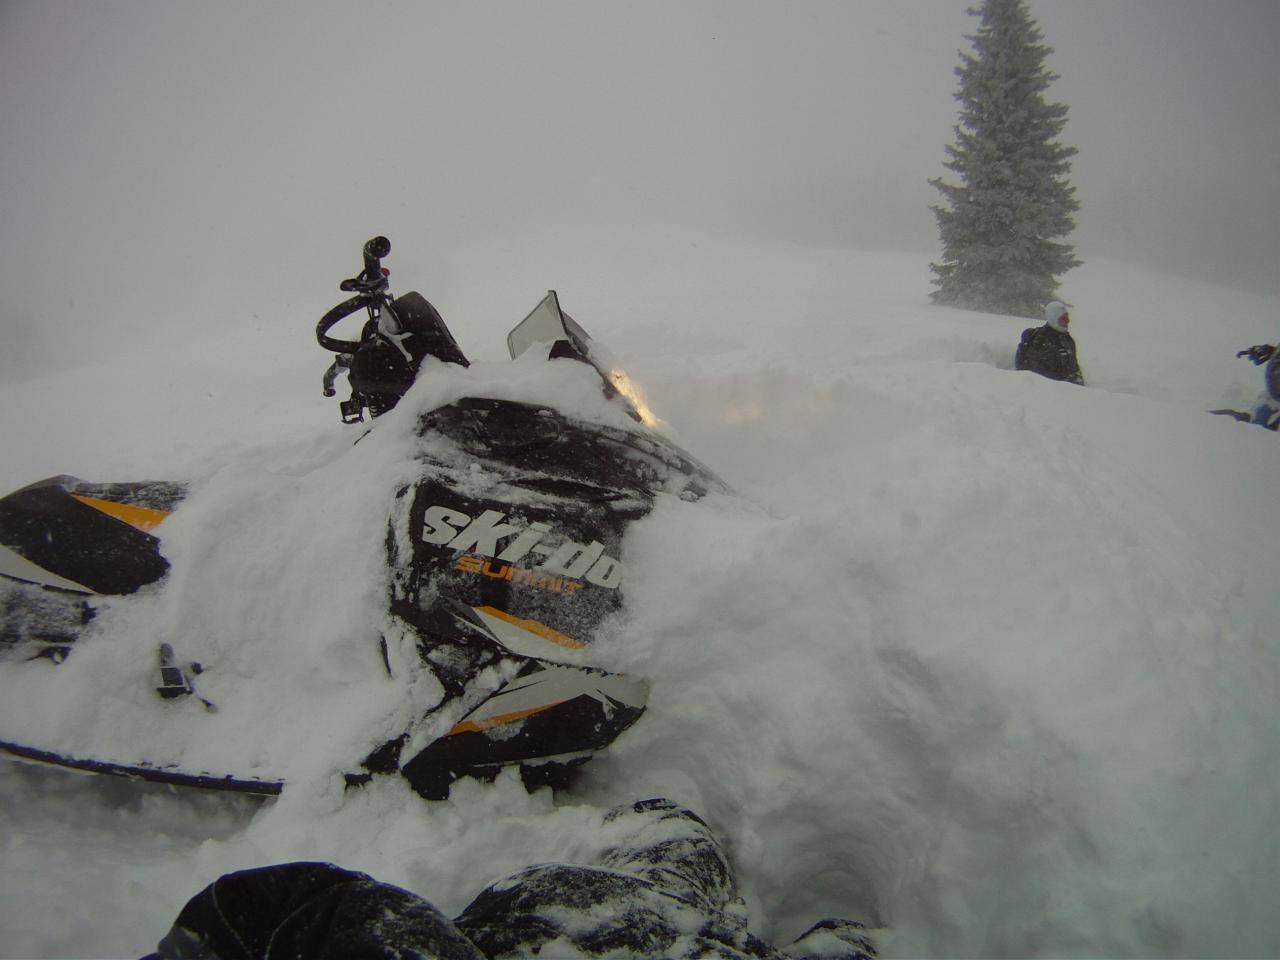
503 558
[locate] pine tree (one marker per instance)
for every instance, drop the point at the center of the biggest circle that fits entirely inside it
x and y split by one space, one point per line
999 224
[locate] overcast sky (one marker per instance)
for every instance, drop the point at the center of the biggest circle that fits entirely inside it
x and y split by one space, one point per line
192 141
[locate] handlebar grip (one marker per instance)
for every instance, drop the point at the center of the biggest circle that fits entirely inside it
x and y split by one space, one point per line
374 251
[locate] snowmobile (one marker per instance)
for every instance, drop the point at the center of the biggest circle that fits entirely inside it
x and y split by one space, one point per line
502 559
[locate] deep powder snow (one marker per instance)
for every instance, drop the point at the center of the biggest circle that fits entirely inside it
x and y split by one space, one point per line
986 661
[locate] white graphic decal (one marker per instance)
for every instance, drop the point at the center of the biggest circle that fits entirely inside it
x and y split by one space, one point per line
549 687
484 536
20 568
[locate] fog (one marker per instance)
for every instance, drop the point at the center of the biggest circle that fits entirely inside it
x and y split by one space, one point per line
164 162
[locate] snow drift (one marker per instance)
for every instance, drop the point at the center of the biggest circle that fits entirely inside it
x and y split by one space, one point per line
986 661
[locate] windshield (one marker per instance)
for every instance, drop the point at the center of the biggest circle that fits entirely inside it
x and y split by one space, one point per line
547 323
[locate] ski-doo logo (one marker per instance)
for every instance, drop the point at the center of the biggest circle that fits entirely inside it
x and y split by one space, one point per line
480 537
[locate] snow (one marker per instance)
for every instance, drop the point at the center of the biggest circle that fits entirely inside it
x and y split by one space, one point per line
985 661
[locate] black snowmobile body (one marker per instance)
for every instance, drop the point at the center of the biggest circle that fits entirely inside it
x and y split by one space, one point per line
500 584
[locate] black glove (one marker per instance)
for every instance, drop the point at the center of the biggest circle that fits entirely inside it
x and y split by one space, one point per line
1259 354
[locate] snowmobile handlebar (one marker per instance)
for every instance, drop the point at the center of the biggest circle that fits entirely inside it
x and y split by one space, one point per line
344 309
370 289
373 278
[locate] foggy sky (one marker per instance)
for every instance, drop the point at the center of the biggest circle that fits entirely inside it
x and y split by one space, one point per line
152 146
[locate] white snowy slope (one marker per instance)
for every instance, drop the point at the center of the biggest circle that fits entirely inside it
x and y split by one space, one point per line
988 662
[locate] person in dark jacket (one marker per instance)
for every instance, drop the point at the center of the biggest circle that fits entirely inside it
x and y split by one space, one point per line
664 889
1266 412
1049 350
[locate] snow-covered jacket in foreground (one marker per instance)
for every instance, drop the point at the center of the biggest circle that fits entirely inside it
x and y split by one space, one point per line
1048 352
664 889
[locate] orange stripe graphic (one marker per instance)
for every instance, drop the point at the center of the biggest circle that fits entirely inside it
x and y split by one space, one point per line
534 627
476 726
144 518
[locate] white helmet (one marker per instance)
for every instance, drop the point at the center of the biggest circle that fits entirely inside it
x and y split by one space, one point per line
1055 314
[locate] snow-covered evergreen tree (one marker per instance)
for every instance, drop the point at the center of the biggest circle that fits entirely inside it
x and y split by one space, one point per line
1002 225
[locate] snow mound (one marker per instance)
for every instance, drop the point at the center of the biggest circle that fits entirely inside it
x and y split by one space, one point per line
986 661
